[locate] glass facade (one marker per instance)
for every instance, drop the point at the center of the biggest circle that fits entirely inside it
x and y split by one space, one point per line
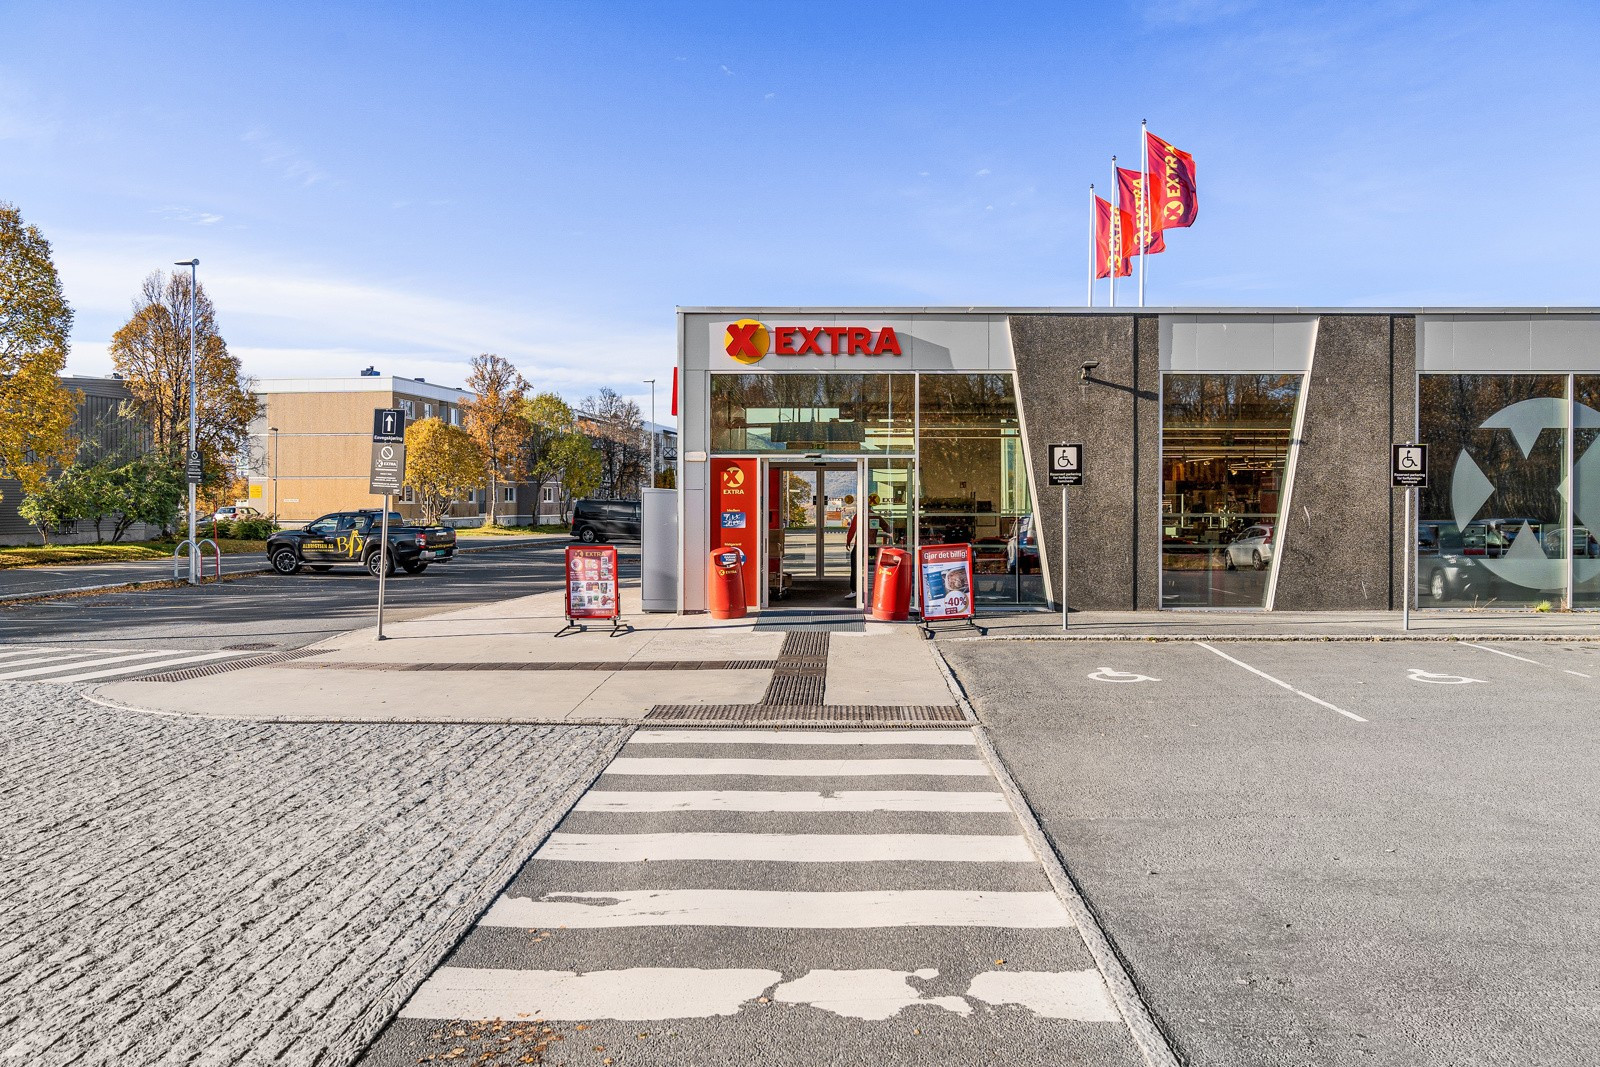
1224 455
849 414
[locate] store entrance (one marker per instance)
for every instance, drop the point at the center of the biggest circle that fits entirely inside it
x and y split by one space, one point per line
811 546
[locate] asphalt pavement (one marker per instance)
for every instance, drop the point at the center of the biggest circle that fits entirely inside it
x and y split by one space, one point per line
71 577
1324 853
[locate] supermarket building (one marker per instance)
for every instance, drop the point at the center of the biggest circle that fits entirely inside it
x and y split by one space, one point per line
1236 459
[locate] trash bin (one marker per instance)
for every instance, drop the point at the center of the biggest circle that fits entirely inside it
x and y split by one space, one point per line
725 589
891 585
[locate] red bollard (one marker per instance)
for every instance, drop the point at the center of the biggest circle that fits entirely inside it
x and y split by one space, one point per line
725 584
891 585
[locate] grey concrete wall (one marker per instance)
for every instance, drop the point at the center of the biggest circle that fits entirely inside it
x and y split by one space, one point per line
1338 542
1115 519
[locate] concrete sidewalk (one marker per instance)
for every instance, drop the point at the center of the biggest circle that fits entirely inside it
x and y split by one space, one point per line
503 662
1431 625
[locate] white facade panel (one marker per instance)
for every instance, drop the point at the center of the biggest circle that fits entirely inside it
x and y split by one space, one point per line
1244 344
1509 343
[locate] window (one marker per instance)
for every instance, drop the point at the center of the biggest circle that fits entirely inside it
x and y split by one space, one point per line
1224 452
427 411
407 495
509 495
410 408
455 416
847 413
549 494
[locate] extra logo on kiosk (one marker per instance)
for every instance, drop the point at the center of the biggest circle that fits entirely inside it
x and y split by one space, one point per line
750 341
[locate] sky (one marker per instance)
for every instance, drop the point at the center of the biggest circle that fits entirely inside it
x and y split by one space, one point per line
407 185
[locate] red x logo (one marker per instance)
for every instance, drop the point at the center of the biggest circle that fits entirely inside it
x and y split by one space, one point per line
742 340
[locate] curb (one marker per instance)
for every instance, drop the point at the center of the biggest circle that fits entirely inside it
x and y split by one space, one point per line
1368 638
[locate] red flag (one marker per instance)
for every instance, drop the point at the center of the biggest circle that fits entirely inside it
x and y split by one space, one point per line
1111 247
1172 184
674 390
1130 191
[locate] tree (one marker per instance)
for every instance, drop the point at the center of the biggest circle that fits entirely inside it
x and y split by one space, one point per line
151 352
443 463
494 419
151 490
36 410
617 429
577 463
550 422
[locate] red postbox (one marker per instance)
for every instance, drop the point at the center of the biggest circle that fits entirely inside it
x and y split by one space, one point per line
891 585
725 584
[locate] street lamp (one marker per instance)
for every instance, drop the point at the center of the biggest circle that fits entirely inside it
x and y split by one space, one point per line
651 382
274 431
194 403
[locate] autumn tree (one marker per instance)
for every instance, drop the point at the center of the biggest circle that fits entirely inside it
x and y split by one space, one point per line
36 410
151 352
615 426
494 419
443 463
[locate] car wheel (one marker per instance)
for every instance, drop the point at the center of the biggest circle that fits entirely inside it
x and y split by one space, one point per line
1256 561
1227 561
374 564
1438 588
587 535
413 568
286 561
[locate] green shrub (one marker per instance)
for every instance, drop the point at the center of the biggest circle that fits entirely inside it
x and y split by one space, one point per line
252 529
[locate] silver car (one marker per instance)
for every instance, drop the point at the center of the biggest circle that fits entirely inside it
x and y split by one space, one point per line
1252 546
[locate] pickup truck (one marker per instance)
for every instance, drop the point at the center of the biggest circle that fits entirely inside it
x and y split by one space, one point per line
352 537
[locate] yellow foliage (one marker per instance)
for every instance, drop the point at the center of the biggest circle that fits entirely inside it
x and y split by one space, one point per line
443 463
36 410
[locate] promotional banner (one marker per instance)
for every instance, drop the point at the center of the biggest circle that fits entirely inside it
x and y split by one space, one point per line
1110 246
736 516
592 582
1130 198
1173 200
945 574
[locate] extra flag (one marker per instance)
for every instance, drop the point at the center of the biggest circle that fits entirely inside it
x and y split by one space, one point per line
1130 194
1111 247
1172 184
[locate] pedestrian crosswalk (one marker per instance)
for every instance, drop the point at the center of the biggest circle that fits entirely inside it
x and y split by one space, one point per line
62 664
782 892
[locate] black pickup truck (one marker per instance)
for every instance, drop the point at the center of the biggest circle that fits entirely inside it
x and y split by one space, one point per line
352 537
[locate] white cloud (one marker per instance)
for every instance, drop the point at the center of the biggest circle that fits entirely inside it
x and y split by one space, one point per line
284 158
1190 12
184 214
984 173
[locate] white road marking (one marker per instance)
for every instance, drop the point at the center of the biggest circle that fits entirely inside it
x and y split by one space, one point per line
818 768
147 666
1417 674
1106 674
802 737
638 993
778 909
866 994
1078 995
786 848
1498 652
79 659
1286 685
25 651
762 800
1580 674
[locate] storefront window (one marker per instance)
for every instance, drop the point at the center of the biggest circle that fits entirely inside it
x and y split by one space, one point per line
1491 525
842 413
973 481
1586 493
1224 452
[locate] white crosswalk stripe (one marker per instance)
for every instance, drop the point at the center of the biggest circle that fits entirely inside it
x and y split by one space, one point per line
939 874
58 664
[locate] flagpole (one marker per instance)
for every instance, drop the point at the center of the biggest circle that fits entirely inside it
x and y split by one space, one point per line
1111 225
1092 224
1144 206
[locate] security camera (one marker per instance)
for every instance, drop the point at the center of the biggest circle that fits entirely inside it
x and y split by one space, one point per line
1088 365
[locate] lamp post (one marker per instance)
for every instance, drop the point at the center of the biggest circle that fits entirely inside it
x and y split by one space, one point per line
194 403
651 382
274 431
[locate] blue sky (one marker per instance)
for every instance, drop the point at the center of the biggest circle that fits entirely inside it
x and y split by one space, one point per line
406 185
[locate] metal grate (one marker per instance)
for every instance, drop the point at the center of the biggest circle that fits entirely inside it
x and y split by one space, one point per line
582 665
243 662
805 644
852 713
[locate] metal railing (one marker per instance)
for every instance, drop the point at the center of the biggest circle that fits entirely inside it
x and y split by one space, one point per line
193 547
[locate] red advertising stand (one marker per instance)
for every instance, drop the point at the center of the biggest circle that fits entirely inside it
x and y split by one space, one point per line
592 588
944 582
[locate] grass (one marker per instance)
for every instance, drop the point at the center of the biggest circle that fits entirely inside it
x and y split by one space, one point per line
506 531
56 555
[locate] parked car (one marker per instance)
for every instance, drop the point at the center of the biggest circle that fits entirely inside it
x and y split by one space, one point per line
1493 537
1022 549
1444 570
601 521
231 513
352 537
1555 543
1252 546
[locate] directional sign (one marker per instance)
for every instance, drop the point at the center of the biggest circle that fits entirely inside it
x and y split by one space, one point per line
195 469
1066 464
388 468
388 424
1409 467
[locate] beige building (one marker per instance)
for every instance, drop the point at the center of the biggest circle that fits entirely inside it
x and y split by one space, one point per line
312 450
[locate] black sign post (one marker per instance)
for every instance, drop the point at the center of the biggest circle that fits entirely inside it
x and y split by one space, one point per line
1408 472
1066 468
388 474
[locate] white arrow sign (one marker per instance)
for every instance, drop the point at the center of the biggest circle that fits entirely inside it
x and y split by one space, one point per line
1417 674
1106 674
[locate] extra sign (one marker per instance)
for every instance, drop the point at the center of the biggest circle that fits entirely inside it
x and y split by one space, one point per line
1408 467
1066 464
388 469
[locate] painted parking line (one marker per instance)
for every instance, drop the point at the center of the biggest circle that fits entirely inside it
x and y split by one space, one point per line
1524 659
1281 683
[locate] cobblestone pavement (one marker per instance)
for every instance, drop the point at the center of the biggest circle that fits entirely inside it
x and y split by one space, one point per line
175 891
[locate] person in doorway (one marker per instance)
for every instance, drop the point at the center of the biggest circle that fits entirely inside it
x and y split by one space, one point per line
850 548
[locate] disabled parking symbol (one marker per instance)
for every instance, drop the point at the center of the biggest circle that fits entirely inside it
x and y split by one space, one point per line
1106 674
1417 674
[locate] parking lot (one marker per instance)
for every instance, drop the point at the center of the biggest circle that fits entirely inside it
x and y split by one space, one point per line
1324 853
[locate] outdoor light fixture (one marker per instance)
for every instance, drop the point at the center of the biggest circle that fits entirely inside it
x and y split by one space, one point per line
1088 365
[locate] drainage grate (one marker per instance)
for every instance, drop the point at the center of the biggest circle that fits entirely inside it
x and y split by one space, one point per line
582 665
852 713
243 662
805 644
801 674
